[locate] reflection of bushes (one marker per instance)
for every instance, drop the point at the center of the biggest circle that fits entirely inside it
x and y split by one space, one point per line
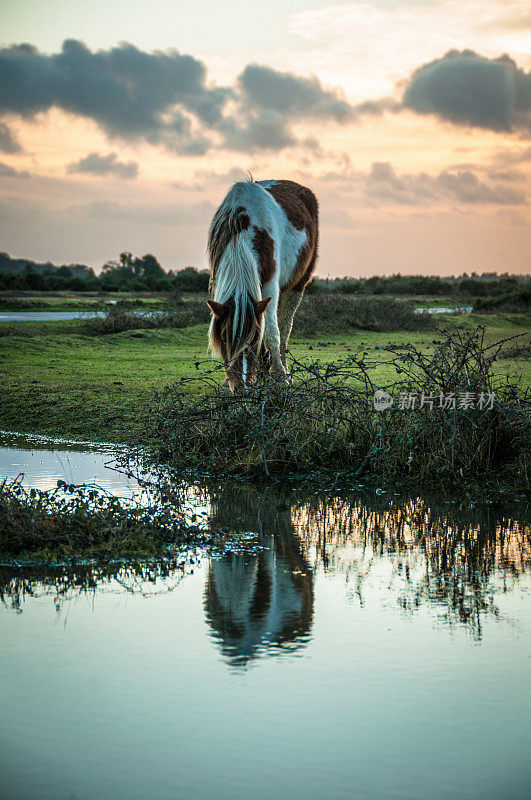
162 575
325 422
454 559
83 522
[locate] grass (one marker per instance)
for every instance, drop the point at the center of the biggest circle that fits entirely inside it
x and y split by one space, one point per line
49 371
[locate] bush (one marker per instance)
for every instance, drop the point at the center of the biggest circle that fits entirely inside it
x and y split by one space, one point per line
519 301
335 313
119 319
324 424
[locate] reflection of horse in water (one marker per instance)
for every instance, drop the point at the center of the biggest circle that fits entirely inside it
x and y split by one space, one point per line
261 601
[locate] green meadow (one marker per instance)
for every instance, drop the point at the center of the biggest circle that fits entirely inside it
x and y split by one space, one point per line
58 379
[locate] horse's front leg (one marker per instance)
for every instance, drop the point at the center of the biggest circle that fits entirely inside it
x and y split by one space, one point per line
272 341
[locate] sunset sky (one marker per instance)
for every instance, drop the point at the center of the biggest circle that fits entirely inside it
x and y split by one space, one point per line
123 125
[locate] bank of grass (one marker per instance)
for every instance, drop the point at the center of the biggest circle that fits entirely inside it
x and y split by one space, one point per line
324 424
58 379
184 314
79 301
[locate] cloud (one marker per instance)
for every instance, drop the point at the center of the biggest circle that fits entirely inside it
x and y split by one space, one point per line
463 186
164 98
128 92
96 164
518 156
8 142
468 89
266 89
9 172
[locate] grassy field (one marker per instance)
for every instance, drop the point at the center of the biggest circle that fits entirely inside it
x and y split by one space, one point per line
59 380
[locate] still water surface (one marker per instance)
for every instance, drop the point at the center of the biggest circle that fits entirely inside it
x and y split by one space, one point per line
355 649
59 316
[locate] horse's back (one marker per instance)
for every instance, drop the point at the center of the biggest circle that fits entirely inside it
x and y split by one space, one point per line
279 218
299 204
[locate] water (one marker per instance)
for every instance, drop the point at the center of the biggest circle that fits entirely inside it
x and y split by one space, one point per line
54 316
364 649
43 462
42 316
59 316
444 310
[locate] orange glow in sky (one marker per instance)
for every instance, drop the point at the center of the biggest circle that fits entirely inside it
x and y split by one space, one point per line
421 161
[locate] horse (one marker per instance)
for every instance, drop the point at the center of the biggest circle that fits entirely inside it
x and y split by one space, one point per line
262 249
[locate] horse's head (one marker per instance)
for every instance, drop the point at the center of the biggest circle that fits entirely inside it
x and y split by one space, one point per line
238 341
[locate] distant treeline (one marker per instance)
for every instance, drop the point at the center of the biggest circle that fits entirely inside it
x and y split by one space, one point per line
474 286
141 274
127 274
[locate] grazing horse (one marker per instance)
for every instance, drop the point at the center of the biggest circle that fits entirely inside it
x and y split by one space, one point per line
262 248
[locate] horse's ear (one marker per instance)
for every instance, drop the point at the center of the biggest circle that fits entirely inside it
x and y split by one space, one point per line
218 309
261 306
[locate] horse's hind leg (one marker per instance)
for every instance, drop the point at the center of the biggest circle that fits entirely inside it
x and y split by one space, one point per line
287 307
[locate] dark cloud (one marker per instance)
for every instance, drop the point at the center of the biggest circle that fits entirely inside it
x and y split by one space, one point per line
8 142
469 89
463 186
269 102
96 164
265 89
9 172
128 92
163 97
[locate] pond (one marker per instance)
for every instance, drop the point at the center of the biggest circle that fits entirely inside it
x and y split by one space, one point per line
444 310
59 316
355 648
42 316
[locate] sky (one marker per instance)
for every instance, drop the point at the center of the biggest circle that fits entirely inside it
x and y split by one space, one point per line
123 125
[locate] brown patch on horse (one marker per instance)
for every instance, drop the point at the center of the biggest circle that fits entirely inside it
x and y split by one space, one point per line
265 250
301 208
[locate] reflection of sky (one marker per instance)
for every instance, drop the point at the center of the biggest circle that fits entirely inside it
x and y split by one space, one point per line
378 704
42 468
127 691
